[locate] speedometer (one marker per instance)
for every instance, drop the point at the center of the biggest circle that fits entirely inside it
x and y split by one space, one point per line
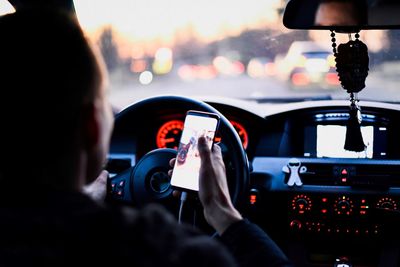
244 137
170 132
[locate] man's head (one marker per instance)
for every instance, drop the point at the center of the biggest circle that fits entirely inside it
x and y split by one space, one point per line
55 120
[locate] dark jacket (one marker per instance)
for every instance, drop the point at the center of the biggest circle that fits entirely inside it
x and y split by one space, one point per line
69 229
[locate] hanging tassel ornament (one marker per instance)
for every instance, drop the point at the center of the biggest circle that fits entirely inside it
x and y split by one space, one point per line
352 67
354 140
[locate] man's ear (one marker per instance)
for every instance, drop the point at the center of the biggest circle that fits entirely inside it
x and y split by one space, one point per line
90 126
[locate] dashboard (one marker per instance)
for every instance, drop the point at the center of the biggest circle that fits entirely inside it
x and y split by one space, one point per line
343 203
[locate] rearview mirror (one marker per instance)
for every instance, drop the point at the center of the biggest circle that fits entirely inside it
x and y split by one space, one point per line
342 15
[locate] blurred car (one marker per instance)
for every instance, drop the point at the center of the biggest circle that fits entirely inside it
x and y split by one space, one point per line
261 67
308 64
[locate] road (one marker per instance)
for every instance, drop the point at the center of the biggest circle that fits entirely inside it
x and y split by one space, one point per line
123 94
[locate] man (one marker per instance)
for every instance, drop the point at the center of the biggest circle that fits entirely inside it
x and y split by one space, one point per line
56 81
306 14
341 13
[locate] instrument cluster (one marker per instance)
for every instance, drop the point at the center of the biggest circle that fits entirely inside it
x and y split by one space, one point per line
169 133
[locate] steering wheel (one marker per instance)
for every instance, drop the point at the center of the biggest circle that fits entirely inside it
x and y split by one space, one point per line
148 180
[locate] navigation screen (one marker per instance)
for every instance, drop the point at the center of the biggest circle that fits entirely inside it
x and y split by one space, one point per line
331 138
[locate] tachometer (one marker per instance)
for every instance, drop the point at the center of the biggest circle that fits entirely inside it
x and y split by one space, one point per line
242 133
169 134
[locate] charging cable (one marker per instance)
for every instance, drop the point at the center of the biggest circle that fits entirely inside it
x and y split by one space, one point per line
183 199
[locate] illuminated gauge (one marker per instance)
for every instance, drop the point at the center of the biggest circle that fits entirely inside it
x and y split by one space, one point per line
386 203
169 134
244 137
343 206
301 204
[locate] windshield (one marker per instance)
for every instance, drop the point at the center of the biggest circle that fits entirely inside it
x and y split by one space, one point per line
236 49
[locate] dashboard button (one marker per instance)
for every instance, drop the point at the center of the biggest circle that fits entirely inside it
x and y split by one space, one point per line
301 204
295 225
343 206
386 203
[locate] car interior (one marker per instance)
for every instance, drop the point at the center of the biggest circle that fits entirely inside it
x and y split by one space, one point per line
311 147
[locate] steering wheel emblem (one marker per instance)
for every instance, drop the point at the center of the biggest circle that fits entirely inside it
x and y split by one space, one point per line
160 182
293 168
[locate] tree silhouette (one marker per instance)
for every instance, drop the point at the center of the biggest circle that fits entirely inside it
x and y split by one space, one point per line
108 48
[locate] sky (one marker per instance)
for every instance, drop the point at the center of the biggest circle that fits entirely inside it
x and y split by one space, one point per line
150 19
5 7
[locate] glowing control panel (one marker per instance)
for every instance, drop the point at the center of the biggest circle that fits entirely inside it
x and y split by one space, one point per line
337 215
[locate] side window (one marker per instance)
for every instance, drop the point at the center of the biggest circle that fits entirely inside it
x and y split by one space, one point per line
6 7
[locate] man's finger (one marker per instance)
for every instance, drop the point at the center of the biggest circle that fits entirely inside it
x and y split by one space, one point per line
172 162
102 178
216 152
216 148
170 173
204 151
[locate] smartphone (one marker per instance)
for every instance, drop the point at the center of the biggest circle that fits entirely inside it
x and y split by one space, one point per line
187 165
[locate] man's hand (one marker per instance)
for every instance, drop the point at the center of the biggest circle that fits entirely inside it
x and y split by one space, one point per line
213 189
98 188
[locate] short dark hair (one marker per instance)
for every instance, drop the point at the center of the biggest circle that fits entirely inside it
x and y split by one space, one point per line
48 73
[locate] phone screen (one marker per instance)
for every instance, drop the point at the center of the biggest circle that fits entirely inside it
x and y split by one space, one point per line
187 164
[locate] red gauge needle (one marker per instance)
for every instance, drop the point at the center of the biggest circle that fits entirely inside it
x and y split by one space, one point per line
169 140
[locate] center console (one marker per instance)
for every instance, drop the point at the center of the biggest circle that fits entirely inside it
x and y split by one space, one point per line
335 204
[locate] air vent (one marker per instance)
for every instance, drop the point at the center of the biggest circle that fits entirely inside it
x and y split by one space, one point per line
388 175
318 174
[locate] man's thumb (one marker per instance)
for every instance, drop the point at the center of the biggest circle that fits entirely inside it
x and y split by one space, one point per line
202 146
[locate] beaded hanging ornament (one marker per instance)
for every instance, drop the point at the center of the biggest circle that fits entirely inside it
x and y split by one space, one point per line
352 67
